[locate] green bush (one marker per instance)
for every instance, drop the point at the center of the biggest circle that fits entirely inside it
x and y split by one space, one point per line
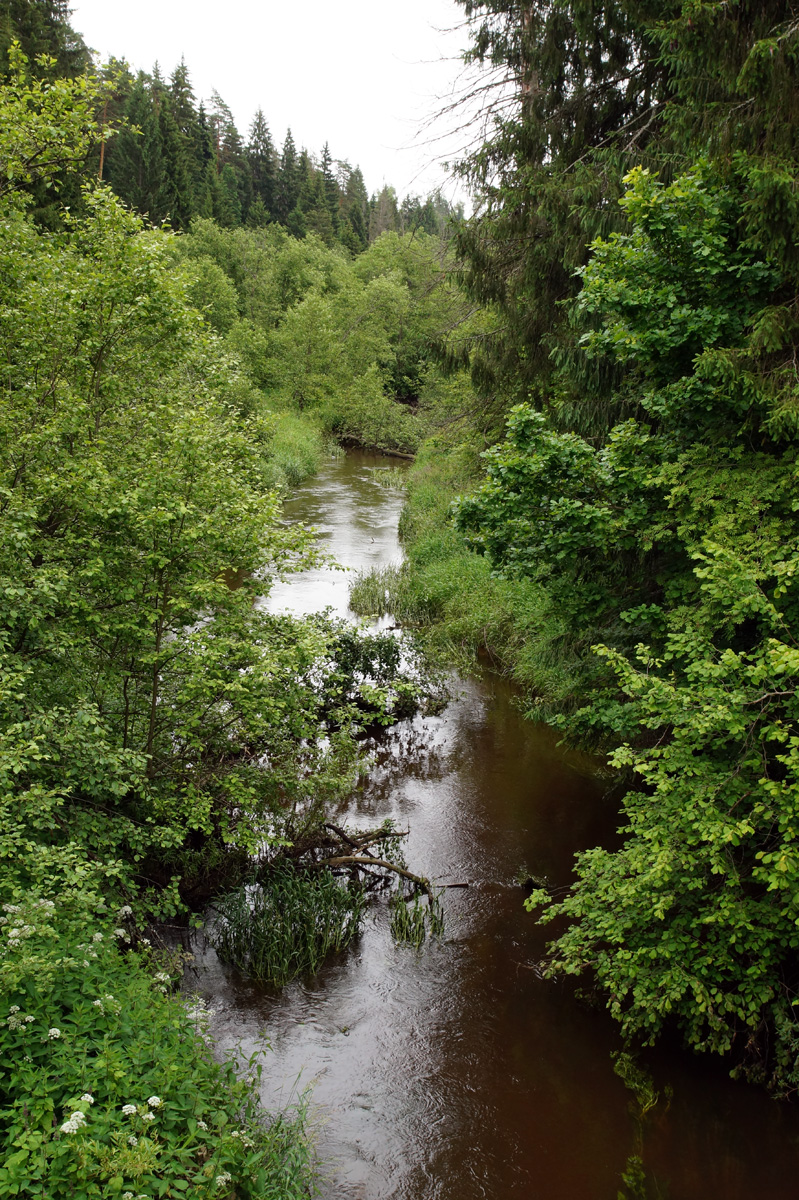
107 1084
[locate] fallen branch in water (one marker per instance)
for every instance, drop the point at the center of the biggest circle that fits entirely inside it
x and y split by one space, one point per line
356 860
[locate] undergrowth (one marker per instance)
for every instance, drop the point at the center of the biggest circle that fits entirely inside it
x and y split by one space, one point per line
108 1087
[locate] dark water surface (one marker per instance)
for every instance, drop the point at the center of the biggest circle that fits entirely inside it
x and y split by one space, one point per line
457 1072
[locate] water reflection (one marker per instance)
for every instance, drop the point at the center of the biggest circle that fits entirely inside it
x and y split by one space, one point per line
457 1072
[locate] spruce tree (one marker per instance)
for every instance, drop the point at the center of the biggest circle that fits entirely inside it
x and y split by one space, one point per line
42 27
262 161
288 181
330 188
137 169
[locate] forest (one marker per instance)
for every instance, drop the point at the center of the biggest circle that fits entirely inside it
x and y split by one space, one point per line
595 375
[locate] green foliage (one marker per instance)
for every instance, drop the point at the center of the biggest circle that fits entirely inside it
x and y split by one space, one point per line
107 1084
48 124
676 529
287 925
412 921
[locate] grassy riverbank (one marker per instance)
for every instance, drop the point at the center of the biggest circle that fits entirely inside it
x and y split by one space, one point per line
467 613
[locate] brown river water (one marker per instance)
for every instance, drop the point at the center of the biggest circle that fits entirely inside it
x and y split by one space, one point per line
457 1072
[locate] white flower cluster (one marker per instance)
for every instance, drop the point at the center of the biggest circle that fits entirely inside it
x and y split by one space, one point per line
202 1125
54 1033
107 1002
74 1122
199 1014
87 1098
222 1178
18 933
122 934
155 1101
125 911
243 1138
15 1020
129 1109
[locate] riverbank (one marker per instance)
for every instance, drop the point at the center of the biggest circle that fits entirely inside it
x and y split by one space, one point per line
459 1072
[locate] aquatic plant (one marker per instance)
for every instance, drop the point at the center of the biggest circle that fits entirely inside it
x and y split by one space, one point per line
392 478
412 921
288 925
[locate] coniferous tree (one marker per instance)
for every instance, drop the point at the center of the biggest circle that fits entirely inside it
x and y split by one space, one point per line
355 212
263 163
288 181
205 180
330 188
42 27
137 168
384 212
176 197
583 102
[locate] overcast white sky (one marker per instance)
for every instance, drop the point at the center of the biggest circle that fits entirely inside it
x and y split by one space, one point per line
360 74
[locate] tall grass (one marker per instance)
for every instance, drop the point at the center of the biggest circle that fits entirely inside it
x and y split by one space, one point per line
450 594
392 478
287 926
295 450
413 920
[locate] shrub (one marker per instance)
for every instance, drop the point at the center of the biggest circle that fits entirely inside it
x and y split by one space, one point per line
107 1083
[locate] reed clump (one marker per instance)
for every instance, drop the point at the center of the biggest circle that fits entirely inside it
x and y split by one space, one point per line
414 920
288 925
393 478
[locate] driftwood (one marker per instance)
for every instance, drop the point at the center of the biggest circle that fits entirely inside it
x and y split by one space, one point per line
355 860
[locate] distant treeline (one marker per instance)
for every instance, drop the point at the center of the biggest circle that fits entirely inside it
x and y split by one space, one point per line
173 159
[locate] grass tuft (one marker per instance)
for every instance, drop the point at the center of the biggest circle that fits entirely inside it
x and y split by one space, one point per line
287 926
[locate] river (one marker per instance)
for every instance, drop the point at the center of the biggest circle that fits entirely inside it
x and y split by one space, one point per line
457 1072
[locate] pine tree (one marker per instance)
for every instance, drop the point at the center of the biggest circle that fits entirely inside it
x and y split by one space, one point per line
42 27
262 160
288 181
136 171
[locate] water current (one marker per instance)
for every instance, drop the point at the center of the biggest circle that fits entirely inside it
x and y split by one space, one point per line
457 1072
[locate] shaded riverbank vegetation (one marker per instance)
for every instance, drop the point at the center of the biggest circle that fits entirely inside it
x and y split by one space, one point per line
161 733
635 509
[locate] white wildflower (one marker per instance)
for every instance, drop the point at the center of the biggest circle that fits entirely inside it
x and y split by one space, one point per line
11 908
29 1018
98 1004
155 1101
163 977
54 1033
129 1109
128 1196
97 937
74 1122
86 962
121 933
148 1116
87 1098
125 910
14 1008
223 1178
146 941
133 1140
202 1125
